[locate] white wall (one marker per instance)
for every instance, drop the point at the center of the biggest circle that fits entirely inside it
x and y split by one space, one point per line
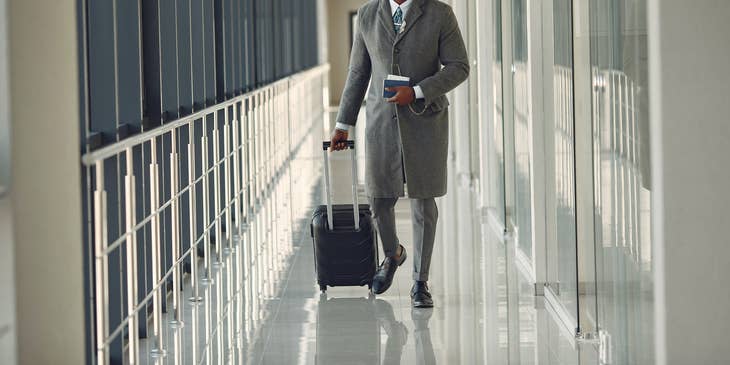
322 30
46 185
4 112
339 43
690 121
7 285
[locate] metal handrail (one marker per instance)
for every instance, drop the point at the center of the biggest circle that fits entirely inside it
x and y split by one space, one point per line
247 187
103 153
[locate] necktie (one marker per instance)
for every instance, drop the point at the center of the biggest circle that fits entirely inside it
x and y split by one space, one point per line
397 20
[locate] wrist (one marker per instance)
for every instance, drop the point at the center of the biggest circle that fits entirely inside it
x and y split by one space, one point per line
418 92
342 127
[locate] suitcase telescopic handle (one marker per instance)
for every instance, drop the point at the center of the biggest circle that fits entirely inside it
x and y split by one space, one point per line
350 144
328 186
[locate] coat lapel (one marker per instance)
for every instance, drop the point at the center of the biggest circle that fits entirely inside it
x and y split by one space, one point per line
414 13
386 19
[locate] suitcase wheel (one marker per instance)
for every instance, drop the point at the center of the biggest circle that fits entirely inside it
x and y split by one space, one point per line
323 288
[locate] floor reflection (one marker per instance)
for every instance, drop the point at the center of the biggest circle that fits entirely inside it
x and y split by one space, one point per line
351 330
485 313
347 330
422 336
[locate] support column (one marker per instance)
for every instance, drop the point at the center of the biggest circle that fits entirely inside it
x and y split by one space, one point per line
46 183
7 281
690 144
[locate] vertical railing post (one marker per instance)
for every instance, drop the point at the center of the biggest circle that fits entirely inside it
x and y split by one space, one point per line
238 276
281 151
266 130
194 348
247 167
270 211
157 297
208 303
290 196
219 310
101 267
259 143
239 290
229 249
257 238
266 186
192 229
131 221
217 193
176 323
237 171
270 133
250 158
175 222
208 279
195 297
227 177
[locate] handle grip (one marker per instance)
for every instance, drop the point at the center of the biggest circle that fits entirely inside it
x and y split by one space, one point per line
350 144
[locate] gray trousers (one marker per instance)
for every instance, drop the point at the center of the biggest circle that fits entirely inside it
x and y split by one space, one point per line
424 214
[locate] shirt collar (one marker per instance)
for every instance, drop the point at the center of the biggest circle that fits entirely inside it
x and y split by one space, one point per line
403 7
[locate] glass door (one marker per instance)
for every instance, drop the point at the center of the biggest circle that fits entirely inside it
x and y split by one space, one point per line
495 153
623 182
490 128
558 115
522 124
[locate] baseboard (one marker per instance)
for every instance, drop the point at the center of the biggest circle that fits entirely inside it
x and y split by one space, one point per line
524 265
560 315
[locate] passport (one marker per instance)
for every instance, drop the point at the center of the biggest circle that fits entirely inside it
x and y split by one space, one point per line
394 81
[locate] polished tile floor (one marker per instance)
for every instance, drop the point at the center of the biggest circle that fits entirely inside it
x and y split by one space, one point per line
482 316
485 312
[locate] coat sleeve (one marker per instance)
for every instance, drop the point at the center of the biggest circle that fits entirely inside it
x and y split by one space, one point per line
358 79
453 56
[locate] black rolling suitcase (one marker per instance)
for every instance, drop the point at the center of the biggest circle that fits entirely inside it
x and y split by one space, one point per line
345 251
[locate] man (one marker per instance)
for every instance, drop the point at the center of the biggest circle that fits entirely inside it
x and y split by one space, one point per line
406 135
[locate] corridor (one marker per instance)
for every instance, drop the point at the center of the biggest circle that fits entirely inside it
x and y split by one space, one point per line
161 161
485 311
480 317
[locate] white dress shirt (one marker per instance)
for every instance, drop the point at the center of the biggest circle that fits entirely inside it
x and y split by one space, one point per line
416 89
403 7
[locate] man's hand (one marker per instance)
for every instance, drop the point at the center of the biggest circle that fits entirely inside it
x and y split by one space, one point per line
339 140
404 95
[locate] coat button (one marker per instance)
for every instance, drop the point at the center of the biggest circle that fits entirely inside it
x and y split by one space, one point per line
397 50
395 116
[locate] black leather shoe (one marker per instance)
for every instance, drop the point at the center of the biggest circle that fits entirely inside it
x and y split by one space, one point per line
384 276
420 297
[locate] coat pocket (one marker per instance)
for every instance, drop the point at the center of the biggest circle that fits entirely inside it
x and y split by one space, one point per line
439 103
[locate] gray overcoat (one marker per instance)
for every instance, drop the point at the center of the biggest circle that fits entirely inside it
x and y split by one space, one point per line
430 38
